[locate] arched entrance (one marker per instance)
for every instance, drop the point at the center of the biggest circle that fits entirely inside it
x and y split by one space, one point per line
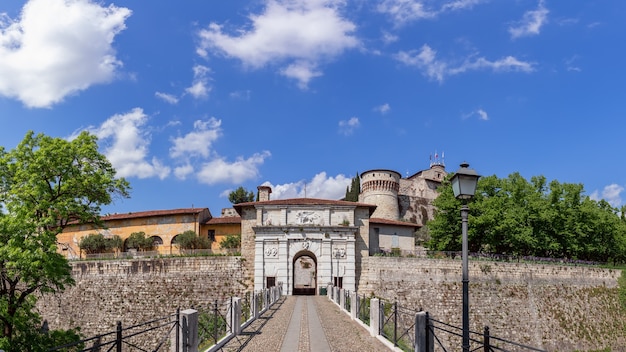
304 273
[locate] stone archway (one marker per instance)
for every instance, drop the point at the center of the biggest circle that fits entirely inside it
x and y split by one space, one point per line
304 273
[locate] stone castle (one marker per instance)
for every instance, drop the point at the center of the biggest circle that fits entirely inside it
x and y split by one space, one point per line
301 243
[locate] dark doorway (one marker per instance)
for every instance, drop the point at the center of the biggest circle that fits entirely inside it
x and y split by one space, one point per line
270 281
304 274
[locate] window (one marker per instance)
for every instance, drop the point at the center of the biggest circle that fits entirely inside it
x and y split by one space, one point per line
270 281
211 235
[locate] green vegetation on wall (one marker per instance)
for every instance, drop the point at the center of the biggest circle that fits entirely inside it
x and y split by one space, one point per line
531 218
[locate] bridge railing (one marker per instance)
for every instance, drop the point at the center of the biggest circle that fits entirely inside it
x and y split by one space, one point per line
404 329
205 328
156 333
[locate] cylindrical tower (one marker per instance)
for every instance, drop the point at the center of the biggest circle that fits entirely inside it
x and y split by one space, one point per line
380 187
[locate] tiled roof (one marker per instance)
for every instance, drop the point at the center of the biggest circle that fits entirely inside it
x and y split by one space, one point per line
392 222
224 220
143 214
305 201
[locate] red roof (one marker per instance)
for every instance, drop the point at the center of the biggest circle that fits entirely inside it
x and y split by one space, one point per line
224 220
305 201
143 214
392 222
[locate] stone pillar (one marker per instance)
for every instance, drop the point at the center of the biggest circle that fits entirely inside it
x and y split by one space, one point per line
188 330
234 316
421 334
284 266
259 265
374 316
342 299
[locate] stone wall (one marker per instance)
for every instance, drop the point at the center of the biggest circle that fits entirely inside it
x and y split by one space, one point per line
562 308
136 291
554 307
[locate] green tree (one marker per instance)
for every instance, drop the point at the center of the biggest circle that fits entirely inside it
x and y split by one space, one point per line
190 240
231 242
530 218
97 243
138 241
45 184
241 195
353 191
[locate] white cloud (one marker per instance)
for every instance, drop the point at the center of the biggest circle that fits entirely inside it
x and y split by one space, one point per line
347 127
57 48
383 109
482 114
221 171
200 87
611 193
531 22
127 145
296 35
181 172
426 60
302 72
197 142
321 186
389 38
168 98
405 11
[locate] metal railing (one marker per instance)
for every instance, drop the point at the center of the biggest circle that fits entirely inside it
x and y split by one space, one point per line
131 338
447 337
410 330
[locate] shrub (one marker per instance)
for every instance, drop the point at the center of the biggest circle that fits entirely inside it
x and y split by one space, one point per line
231 242
138 241
190 240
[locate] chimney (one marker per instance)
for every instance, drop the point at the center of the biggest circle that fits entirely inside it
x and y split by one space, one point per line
264 193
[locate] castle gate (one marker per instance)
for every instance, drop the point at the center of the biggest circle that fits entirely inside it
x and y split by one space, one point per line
304 273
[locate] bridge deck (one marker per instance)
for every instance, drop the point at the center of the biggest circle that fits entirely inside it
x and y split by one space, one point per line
303 324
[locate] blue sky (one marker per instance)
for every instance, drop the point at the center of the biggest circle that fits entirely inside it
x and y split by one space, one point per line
193 99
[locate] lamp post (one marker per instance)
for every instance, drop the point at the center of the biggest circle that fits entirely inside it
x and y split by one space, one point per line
464 184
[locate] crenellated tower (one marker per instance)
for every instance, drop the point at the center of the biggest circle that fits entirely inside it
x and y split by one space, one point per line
380 187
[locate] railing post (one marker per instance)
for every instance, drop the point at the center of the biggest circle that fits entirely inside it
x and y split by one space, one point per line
177 341
216 313
354 305
395 323
375 317
342 298
118 337
189 330
235 315
486 343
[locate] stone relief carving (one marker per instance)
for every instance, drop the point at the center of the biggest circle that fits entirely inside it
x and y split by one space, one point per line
307 217
339 252
271 251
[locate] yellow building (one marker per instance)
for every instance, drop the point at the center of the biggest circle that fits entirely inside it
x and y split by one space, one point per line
160 225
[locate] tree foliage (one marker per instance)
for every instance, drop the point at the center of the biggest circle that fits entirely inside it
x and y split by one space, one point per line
45 184
97 243
190 240
138 241
241 195
231 242
353 191
531 218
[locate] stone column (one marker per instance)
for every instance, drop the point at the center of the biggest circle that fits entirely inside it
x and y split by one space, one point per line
374 316
284 265
259 265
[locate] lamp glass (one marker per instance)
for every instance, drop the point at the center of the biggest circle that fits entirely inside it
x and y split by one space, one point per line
464 182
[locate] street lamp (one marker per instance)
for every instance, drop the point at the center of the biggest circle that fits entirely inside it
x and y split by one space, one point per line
464 184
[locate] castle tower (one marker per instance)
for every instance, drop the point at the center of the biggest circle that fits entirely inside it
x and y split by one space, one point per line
380 187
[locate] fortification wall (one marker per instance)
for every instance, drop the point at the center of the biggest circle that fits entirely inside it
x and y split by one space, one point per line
137 291
562 308
558 308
